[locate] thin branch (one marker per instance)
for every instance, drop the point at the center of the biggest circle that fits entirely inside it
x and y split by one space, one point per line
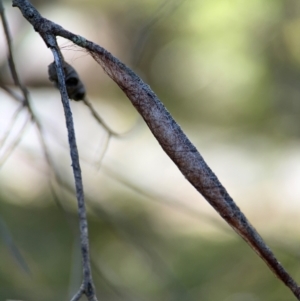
131 236
35 120
17 81
169 202
75 271
25 103
56 197
137 239
14 250
78 295
88 286
167 132
161 13
12 66
11 62
15 142
13 120
99 118
110 132
76 91
11 92
113 282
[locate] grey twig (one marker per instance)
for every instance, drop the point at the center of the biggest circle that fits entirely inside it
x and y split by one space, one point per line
15 142
88 287
167 132
11 92
166 201
99 118
163 11
11 62
25 103
18 83
14 250
13 120
76 91
110 133
78 295
136 238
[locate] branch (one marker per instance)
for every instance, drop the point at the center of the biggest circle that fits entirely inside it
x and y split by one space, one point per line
88 287
16 141
25 104
169 135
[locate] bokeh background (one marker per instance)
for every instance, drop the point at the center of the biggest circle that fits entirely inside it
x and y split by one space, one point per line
228 71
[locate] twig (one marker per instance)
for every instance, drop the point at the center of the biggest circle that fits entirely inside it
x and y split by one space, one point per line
162 12
56 197
14 250
88 286
26 104
76 91
167 132
99 118
13 120
15 142
114 283
11 92
78 295
110 133
136 238
169 202
38 126
11 62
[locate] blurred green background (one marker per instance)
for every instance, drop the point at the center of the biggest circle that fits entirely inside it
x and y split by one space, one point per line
228 71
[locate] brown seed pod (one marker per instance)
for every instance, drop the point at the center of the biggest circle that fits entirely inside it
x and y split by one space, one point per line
75 87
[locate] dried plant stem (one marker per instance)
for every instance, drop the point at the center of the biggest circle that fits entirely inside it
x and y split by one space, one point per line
167 132
87 286
99 118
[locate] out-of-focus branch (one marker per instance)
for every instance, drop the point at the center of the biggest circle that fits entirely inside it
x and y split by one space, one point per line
15 142
163 11
169 202
167 132
14 250
11 62
11 125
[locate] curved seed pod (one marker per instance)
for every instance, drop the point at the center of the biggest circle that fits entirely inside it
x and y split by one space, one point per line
75 87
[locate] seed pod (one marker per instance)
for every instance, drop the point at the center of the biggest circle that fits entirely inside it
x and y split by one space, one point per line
75 87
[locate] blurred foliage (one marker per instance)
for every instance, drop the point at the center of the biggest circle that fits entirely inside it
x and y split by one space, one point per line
218 63
223 63
132 259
